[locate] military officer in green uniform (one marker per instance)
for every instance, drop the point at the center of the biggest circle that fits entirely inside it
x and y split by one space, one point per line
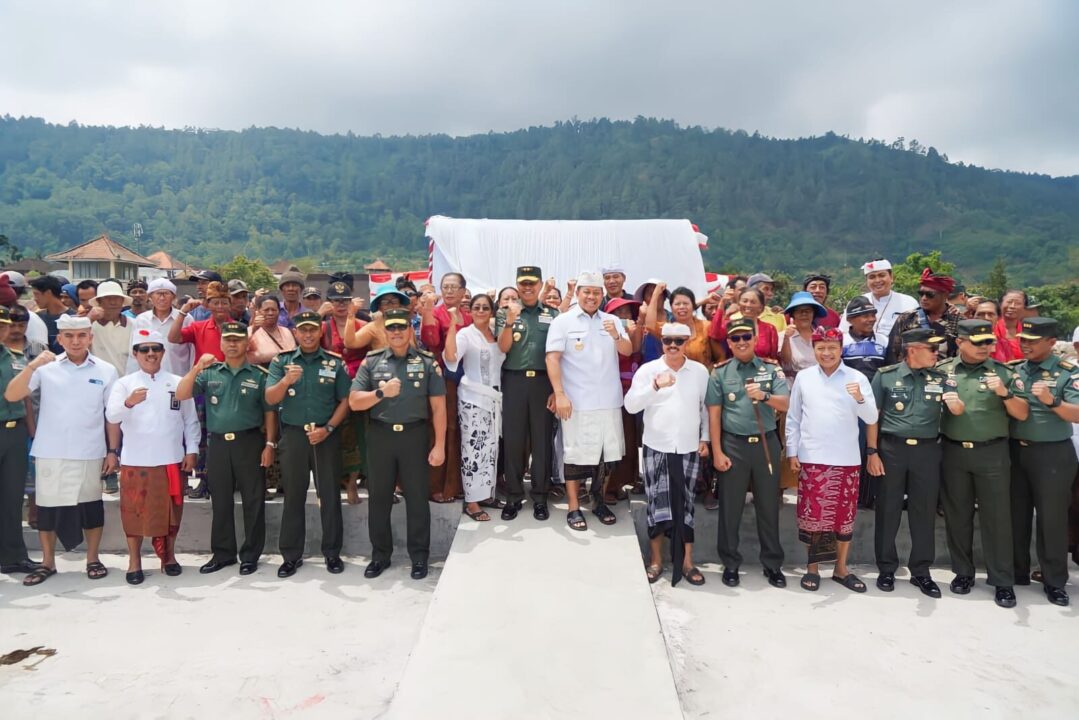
310 384
521 331
912 398
237 451
976 465
399 386
1043 457
14 460
744 395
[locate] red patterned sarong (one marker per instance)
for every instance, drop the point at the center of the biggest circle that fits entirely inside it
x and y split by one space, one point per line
827 504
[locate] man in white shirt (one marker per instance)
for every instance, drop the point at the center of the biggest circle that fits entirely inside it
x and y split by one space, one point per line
73 444
827 401
889 305
111 328
159 318
670 390
583 345
156 430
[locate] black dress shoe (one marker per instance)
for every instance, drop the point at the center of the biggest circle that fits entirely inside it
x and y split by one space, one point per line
215 565
135 578
419 570
173 569
730 577
886 582
25 566
540 511
335 565
289 568
375 568
1057 596
510 511
961 585
926 585
776 578
246 568
1005 597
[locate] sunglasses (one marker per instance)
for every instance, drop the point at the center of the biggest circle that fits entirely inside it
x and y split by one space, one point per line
927 294
676 341
412 294
981 343
740 338
397 328
20 319
144 349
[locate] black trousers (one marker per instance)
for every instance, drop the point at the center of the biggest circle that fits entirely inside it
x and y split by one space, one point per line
398 456
299 458
14 464
233 465
526 423
1042 475
912 471
981 473
749 467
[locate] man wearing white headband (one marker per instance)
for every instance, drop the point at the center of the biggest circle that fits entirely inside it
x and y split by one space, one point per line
889 305
159 318
161 446
583 346
614 278
73 445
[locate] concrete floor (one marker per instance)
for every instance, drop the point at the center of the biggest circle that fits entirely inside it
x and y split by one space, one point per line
209 646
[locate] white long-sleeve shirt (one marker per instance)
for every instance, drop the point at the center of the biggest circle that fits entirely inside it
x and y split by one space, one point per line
675 417
158 430
822 422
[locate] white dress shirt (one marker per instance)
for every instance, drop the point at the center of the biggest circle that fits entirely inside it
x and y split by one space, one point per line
888 308
71 418
157 430
675 417
822 422
589 364
177 358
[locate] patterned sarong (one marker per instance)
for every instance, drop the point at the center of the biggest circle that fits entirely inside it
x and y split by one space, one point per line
827 504
149 507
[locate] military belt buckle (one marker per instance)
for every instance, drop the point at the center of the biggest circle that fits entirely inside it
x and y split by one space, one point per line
753 439
398 428
912 441
230 436
968 445
10 424
530 373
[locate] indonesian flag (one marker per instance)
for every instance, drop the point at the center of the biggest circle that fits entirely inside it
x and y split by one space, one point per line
716 283
702 239
377 280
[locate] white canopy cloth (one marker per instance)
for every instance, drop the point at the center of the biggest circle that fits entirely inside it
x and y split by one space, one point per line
488 252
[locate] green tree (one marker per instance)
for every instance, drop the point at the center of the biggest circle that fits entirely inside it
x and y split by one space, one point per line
909 273
8 252
253 272
997 282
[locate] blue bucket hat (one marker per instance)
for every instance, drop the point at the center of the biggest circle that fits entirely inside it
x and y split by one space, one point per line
385 291
801 299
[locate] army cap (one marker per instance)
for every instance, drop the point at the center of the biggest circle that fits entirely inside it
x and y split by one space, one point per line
1037 328
311 292
233 329
976 330
396 317
237 286
742 324
859 305
5 315
307 317
529 273
921 336
339 291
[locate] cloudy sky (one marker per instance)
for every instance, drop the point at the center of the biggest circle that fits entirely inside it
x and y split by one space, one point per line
989 82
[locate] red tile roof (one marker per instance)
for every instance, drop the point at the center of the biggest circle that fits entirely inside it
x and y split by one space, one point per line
102 248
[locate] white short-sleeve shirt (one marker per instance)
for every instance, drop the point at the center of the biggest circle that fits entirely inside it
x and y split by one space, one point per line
589 364
71 419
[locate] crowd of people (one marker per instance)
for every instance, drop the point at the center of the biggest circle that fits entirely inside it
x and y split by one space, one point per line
945 404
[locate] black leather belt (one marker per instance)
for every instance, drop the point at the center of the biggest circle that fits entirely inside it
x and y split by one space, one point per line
526 373
971 444
11 424
230 436
401 427
911 441
747 438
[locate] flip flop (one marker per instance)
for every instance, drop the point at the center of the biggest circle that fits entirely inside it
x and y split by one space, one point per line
653 572
693 576
493 503
576 521
851 582
605 515
39 576
478 516
810 582
96 571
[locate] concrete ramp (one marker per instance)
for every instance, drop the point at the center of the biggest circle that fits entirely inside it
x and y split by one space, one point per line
534 620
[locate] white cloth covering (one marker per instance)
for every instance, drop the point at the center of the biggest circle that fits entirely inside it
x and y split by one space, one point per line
593 436
888 308
36 330
64 483
590 376
71 418
159 429
669 412
822 422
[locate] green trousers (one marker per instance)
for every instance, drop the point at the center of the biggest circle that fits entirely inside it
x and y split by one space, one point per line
299 460
749 468
1042 476
14 463
981 473
912 471
398 456
231 465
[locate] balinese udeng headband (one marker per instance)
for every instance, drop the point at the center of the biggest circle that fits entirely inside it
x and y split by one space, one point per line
875 266
827 334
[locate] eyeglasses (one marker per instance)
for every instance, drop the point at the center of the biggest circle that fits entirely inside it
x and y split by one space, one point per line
740 338
676 341
450 288
981 343
146 349
927 294
481 308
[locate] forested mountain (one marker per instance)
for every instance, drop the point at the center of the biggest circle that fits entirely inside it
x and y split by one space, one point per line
791 205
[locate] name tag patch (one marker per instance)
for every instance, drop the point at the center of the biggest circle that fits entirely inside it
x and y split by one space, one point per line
545 319
326 373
